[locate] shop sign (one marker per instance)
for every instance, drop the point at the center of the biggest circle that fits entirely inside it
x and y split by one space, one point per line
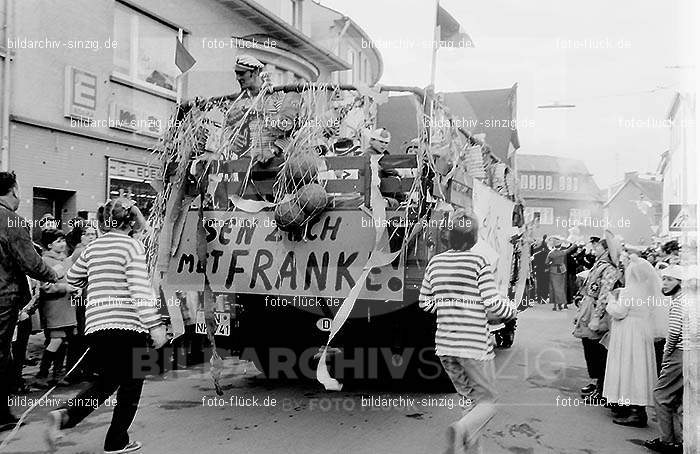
132 171
127 118
80 94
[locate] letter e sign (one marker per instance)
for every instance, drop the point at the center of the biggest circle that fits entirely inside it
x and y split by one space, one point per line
80 97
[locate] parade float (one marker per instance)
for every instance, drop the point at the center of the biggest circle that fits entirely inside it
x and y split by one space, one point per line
287 217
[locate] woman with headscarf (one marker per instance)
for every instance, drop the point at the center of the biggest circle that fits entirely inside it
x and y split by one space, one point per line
636 312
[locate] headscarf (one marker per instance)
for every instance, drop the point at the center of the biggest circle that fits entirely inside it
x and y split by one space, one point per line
643 288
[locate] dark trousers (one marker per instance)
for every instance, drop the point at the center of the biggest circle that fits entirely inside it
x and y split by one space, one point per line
659 351
115 355
596 355
668 398
8 319
19 349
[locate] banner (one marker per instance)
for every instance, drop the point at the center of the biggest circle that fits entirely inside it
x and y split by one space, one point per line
495 215
248 254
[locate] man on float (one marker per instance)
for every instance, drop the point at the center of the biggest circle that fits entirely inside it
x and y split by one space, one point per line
270 117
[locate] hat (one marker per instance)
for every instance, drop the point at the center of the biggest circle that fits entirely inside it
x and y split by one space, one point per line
594 239
49 236
614 246
674 271
247 63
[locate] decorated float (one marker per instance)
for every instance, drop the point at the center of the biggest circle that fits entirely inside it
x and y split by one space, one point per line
286 216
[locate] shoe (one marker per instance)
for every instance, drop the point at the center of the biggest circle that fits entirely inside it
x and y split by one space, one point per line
588 389
131 447
53 433
636 418
658 445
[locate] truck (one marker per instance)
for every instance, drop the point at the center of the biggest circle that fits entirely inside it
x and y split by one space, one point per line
337 289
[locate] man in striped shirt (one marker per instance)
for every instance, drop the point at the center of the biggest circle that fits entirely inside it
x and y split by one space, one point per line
121 313
459 286
668 392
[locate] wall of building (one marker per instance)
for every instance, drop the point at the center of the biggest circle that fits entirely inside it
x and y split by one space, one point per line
51 151
628 220
561 220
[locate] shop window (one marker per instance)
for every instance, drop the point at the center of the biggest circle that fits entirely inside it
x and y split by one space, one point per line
145 49
548 182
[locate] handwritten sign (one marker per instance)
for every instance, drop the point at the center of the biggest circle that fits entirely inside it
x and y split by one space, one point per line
248 254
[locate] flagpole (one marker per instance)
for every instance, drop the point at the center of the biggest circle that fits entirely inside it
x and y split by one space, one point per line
178 82
435 45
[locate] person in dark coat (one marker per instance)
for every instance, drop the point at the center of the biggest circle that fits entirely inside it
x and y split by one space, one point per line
18 258
539 256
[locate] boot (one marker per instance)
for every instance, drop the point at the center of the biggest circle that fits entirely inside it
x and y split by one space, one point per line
636 418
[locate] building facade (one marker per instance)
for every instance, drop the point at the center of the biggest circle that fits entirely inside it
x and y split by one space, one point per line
559 193
634 208
93 84
342 36
678 168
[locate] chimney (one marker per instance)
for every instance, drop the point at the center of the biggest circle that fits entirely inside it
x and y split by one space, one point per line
631 175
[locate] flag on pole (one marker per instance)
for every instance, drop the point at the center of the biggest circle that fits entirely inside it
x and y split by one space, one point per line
183 59
450 32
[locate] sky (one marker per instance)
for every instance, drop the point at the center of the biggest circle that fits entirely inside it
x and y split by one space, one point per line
608 58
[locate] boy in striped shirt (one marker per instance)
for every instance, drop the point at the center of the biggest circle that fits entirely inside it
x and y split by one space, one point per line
459 287
668 392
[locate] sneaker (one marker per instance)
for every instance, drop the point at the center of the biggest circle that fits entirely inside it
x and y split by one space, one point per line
131 447
53 432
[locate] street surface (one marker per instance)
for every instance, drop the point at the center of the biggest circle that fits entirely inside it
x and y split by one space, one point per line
180 413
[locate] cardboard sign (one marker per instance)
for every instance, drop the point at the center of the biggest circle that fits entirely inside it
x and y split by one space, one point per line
223 323
248 254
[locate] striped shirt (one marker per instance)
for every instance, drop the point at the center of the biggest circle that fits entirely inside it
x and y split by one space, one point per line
119 294
460 287
674 339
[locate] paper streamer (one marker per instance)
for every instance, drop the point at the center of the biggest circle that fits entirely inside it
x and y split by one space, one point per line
379 257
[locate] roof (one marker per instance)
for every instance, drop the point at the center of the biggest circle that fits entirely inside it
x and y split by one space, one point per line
547 163
361 32
652 189
277 28
479 109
